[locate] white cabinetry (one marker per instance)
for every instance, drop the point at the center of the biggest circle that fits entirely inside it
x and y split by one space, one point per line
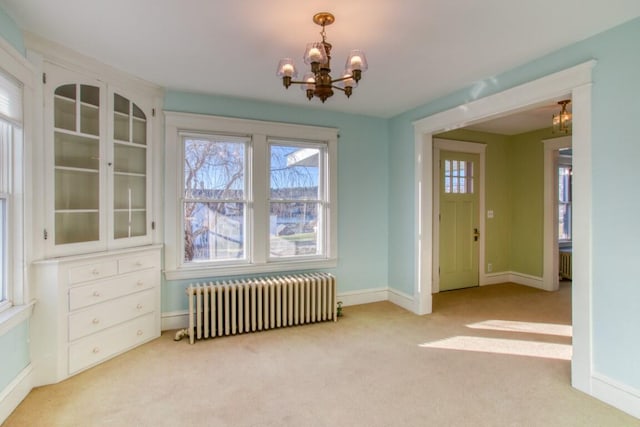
98 156
96 280
93 307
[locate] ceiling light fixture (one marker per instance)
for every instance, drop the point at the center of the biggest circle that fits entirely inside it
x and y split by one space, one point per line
563 120
319 82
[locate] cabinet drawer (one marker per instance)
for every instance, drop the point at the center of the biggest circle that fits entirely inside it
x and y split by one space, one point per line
110 342
101 316
104 290
95 271
136 263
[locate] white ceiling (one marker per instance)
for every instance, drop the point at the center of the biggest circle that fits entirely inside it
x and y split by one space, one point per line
418 50
533 118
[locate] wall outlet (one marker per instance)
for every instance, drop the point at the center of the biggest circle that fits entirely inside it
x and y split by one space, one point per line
490 214
489 268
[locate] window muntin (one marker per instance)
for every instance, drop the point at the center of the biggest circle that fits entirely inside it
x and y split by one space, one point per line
296 199
458 177
215 198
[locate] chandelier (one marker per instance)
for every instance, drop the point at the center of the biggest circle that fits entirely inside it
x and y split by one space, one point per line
318 82
562 121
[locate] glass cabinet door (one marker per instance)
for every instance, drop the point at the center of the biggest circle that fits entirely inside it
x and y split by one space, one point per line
76 163
129 169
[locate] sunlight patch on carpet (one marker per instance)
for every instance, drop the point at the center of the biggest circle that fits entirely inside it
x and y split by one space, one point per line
503 346
526 327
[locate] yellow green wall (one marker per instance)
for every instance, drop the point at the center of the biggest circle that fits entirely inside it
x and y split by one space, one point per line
514 192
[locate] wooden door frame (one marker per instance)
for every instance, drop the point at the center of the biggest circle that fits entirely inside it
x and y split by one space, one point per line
461 147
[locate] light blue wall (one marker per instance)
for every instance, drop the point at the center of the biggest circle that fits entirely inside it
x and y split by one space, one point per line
11 32
362 184
14 344
615 177
14 348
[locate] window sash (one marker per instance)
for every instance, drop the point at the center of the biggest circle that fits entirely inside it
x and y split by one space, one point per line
298 238
213 239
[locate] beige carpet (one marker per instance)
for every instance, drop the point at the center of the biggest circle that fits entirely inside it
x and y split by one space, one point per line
491 356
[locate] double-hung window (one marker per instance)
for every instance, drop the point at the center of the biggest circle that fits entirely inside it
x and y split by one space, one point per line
251 196
564 198
296 199
11 169
215 203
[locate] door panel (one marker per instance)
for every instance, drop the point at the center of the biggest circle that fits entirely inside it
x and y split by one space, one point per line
459 220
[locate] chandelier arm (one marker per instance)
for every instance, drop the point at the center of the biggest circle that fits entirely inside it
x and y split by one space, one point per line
347 77
294 82
337 87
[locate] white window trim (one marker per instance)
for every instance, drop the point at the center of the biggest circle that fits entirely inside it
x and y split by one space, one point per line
260 132
19 307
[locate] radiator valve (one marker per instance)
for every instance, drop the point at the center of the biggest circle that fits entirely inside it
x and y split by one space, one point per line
339 312
181 333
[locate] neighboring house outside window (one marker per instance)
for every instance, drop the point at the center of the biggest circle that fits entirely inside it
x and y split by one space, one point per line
252 197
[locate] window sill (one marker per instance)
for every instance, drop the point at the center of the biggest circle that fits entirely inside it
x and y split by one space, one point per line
12 317
244 270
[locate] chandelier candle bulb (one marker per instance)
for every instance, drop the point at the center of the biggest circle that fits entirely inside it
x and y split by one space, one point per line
356 62
287 70
315 55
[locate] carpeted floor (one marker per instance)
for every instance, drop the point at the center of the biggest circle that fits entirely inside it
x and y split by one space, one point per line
491 356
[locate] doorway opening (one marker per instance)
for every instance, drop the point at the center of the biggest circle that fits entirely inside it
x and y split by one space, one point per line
577 82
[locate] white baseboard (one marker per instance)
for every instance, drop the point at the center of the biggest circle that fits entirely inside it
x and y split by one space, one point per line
403 300
513 277
15 392
621 396
175 320
180 319
527 280
363 296
495 278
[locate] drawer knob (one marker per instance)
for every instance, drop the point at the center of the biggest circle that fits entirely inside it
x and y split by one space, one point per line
140 332
138 264
96 350
139 283
96 293
139 306
95 272
96 321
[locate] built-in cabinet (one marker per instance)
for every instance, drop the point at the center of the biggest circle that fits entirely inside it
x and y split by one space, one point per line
97 268
93 307
98 158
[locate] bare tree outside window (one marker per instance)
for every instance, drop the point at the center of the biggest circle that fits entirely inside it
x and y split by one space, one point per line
214 198
296 200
